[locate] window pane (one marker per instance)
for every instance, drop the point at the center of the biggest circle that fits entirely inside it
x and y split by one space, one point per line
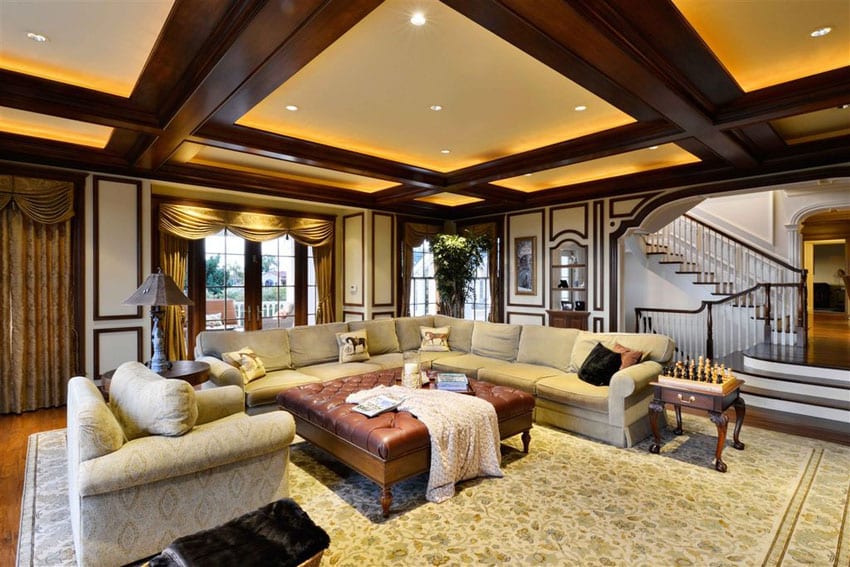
225 285
423 288
277 279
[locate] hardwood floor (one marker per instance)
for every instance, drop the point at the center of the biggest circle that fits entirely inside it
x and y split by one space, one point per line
14 431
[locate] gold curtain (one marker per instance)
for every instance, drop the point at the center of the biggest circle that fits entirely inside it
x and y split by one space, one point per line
414 235
37 335
173 259
194 223
489 230
323 261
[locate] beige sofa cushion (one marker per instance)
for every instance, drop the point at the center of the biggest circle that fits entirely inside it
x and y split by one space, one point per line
264 391
495 340
570 390
145 403
314 344
98 432
407 331
466 363
517 375
460 333
549 346
334 370
381 334
655 347
271 345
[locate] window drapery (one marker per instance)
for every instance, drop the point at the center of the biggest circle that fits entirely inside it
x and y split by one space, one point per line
173 259
195 223
414 235
37 336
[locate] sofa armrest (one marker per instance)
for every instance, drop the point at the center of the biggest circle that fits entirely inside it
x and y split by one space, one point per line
221 373
147 460
216 403
633 379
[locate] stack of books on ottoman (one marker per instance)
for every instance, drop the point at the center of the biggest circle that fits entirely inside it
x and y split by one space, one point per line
453 382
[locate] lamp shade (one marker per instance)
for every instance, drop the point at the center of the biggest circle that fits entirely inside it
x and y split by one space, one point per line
158 289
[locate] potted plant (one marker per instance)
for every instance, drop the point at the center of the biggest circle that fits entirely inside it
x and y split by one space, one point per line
456 262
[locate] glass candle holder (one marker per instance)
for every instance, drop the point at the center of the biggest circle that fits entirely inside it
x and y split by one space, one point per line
410 374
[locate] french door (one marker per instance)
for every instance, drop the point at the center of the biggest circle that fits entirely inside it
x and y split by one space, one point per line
256 285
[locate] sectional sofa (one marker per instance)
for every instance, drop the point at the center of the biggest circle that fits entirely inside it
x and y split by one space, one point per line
543 361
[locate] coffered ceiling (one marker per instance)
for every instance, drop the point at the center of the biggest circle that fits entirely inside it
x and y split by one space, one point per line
448 109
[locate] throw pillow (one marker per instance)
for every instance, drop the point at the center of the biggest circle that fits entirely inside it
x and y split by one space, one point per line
600 365
353 346
434 339
628 357
145 403
248 363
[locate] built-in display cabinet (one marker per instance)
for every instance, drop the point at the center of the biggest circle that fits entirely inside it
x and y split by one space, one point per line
568 278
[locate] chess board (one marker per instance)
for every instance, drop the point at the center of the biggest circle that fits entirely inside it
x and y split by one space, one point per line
684 383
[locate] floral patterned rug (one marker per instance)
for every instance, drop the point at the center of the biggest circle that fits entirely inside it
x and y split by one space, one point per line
785 500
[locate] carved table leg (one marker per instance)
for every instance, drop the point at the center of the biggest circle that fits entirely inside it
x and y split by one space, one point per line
721 421
678 430
526 440
656 406
386 499
740 410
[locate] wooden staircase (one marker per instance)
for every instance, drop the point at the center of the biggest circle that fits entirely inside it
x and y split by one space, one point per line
758 309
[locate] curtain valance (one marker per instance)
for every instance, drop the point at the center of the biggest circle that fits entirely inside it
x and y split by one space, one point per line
46 201
194 223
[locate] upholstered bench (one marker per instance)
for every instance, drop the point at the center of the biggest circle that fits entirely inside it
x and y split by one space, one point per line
391 446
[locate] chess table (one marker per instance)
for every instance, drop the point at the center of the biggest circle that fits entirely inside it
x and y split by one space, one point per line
716 403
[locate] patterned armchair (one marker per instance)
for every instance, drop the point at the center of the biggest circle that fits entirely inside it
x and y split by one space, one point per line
161 461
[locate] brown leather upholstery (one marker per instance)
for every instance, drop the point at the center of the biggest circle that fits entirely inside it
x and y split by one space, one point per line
391 434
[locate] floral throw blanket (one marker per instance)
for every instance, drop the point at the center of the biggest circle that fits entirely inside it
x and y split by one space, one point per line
464 434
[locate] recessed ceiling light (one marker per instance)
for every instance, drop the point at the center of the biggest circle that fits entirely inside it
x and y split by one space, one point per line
418 19
653 147
291 107
526 174
844 106
445 151
436 107
37 37
580 108
820 32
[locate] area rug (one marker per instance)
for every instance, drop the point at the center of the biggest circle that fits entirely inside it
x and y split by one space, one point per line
570 501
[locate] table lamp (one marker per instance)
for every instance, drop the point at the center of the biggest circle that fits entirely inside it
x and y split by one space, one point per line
158 290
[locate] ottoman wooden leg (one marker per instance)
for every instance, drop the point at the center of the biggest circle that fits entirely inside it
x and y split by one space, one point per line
526 440
386 499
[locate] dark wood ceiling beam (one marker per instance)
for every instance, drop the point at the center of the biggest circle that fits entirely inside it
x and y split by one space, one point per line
60 154
569 26
43 96
395 195
291 31
825 90
617 140
248 140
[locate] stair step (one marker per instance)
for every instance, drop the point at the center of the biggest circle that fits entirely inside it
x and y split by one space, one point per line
797 398
736 362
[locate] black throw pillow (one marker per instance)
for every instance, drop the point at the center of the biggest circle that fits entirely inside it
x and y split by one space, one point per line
600 365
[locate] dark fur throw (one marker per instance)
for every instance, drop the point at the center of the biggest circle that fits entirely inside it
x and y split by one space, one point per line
278 534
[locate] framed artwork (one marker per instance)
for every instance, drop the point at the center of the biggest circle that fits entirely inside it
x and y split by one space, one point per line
525 276
566 306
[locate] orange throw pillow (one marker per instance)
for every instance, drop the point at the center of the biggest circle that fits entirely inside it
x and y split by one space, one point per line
628 357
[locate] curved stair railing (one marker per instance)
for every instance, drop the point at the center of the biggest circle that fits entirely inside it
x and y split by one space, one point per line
772 313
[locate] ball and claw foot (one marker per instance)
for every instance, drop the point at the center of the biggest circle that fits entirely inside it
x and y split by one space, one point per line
655 448
738 445
720 466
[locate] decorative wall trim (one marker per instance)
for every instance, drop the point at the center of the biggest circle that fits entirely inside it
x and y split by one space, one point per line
538 299
619 207
552 223
539 316
353 316
598 324
392 256
383 314
350 262
599 237
100 334
112 248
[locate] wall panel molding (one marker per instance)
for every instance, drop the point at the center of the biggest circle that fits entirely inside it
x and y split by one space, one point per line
116 241
353 257
115 346
383 260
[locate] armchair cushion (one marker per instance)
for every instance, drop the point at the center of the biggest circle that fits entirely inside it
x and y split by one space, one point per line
145 403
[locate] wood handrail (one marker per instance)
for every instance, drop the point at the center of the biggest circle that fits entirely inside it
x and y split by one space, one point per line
746 245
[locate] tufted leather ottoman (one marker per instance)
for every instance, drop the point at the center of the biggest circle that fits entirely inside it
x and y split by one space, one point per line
391 446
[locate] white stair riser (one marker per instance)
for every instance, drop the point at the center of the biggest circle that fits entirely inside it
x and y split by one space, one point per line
801 388
785 368
832 414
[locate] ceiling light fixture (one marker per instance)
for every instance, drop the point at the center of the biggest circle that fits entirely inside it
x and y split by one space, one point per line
418 19
580 108
820 32
291 107
844 106
37 37
436 107
653 147
445 151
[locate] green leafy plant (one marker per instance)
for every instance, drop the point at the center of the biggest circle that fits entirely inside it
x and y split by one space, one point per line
456 262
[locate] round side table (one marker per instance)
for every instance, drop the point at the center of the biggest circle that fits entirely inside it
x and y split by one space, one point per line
192 371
